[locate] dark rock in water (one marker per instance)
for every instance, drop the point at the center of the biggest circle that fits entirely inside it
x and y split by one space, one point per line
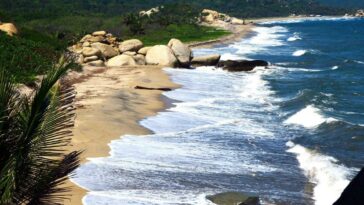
233 198
241 65
354 193
146 88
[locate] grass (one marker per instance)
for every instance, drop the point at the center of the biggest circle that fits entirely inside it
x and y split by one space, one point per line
185 33
25 58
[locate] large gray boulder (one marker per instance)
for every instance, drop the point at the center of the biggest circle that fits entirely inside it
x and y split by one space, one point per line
182 52
107 51
234 198
161 55
208 60
121 60
242 65
130 45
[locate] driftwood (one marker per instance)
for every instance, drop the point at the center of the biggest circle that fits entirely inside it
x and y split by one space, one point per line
146 88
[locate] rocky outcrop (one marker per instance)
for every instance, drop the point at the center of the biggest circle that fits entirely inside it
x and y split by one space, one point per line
9 28
130 45
182 52
354 193
208 60
359 13
121 60
161 55
210 16
102 46
241 65
234 198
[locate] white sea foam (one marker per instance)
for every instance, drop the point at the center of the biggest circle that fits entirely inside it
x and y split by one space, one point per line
299 20
299 53
335 67
295 37
265 37
330 178
309 117
360 62
147 197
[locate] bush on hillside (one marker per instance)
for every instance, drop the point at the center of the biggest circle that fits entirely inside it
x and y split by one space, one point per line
25 58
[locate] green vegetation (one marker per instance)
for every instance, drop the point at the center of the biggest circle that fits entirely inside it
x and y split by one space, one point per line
186 33
172 21
25 58
33 134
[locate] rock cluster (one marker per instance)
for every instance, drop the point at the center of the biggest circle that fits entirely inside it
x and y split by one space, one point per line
359 13
211 16
234 198
101 48
8 28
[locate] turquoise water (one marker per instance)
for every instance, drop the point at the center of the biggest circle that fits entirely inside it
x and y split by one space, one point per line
292 134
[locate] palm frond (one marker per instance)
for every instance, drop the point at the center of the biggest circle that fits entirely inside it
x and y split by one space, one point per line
39 130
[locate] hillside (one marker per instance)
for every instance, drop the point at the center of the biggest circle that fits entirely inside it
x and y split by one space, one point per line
29 9
344 4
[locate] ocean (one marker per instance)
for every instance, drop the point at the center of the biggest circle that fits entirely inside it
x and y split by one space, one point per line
292 134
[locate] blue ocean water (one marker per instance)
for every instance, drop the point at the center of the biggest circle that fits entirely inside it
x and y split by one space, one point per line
292 134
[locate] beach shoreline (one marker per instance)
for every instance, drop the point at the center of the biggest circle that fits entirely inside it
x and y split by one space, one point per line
109 106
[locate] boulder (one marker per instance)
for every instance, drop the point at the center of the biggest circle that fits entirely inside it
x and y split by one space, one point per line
354 192
99 33
182 52
209 16
130 45
97 63
237 21
233 198
91 58
241 65
121 60
107 51
86 44
130 53
139 59
88 51
9 28
94 39
161 55
208 60
144 50
85 38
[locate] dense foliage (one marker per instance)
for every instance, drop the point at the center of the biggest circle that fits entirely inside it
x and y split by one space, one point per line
35 9
26 57
344 4
34 131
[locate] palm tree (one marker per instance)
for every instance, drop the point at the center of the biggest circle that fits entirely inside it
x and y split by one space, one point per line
34 131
